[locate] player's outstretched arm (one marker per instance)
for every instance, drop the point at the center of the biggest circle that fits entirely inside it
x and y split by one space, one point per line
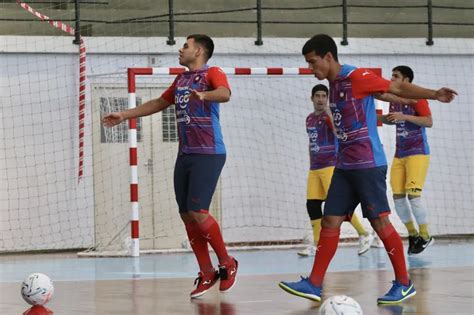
392 98
221 95
412 91
148 108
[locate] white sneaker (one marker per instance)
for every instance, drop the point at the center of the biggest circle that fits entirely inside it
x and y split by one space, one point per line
364 243
377 243
308 251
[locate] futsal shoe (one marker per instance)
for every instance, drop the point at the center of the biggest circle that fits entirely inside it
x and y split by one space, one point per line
204 282
303 288
412 240
227 273
308 251
421 244
365 241
397 293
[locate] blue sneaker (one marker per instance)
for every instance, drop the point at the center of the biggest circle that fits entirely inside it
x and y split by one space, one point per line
397 293
302 288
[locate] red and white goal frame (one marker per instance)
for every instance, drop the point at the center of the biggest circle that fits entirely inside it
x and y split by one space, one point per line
132 74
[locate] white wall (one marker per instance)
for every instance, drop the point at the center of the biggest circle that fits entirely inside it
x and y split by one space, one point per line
43 207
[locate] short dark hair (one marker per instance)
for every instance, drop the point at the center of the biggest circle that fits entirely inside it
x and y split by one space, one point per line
319 87
205 41
405 71
321 44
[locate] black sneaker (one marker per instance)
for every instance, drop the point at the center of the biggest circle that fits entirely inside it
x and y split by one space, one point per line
421 244
412 240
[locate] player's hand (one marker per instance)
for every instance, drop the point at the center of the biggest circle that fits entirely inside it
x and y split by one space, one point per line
112 119
445 95
395 117
198 95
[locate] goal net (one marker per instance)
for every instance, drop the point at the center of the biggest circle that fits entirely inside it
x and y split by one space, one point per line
260 199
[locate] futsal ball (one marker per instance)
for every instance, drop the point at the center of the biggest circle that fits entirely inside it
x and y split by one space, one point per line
37 289
340 305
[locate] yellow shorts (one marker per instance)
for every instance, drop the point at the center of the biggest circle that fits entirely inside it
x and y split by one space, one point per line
408 174
318 183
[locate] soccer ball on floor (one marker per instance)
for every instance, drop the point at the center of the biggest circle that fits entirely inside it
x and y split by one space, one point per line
340 305
37 289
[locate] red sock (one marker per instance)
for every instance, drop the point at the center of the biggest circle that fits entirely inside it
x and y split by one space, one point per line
199 246
326 248
394 247
211 232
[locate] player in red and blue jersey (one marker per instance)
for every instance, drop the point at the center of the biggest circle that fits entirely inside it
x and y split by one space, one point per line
322 156
361 167
196 95
411 161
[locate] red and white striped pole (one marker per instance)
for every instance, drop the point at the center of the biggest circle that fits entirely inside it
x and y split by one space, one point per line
132 141
82 78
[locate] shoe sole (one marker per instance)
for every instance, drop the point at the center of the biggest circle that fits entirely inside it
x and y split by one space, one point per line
193 296
396 302
311 297
362 253
302 254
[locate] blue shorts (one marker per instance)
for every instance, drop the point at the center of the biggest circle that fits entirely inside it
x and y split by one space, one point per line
195 179
351 187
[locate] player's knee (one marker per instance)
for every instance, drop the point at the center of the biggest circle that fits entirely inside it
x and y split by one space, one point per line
380 223
332 221
314 208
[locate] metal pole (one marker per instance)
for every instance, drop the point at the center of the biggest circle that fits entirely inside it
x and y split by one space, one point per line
344 23
171 40
430 42
77 32
259 41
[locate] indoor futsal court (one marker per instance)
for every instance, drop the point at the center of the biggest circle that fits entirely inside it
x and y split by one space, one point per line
236 157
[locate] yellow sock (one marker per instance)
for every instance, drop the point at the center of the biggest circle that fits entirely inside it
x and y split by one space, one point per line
411 228
316 224
358 225
424 231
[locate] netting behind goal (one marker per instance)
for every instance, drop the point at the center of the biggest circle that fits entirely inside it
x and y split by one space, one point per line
261 196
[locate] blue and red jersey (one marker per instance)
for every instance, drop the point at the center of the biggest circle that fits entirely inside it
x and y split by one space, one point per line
355 120
411 139
199 129
322 141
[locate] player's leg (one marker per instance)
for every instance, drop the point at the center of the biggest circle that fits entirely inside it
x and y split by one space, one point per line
315 196
205 172
340 202
417 168
207 275
398 180
372 189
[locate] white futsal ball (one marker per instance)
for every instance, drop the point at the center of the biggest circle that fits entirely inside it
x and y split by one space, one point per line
340 305
37 289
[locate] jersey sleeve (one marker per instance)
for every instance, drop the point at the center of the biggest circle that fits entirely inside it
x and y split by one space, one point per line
329 122
217 78
422 108
365 82
168 95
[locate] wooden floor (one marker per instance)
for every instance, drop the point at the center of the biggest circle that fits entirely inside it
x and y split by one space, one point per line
439 291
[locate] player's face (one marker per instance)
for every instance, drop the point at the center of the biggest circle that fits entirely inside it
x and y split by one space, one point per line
398 77
319 66
188 53
320 101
